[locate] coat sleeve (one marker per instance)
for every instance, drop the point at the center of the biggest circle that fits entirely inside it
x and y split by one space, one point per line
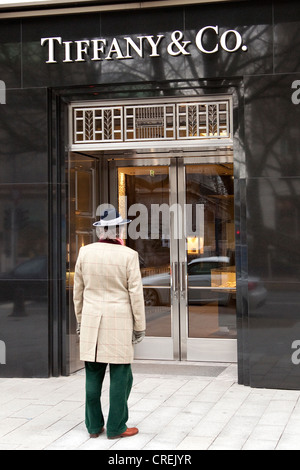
78 289
135 289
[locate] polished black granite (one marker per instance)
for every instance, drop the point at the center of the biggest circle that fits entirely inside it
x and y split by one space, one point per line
24 137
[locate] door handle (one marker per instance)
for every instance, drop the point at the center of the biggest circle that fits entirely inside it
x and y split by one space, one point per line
182 280
174 279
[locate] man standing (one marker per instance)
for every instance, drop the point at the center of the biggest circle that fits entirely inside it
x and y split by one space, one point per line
109 307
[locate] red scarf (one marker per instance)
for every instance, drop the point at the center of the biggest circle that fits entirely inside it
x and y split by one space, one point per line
117 241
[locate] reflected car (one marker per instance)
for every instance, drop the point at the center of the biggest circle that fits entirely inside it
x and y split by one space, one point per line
157 287
257 293
25 281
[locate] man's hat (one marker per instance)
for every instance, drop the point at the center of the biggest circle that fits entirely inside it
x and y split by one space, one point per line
111 218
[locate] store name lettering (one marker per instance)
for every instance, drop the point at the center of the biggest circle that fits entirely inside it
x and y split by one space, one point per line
128 48
296 93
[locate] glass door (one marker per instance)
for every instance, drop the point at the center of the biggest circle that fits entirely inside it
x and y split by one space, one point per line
207 261
182 226
142 191
82 177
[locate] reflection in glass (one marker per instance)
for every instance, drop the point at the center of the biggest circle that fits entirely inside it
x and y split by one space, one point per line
146 188
24 312
23 225
210 248
82 203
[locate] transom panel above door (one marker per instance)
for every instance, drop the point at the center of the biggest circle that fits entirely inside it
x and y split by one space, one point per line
155 123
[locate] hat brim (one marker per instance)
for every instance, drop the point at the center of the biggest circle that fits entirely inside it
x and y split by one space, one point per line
111 223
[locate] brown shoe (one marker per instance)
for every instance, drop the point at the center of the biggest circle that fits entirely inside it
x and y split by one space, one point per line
128 433
94 436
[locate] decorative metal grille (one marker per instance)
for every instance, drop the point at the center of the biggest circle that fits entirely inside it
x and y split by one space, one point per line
203 120
149 122
152 122
101 124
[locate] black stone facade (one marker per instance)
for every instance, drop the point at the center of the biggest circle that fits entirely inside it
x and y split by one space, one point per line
33 135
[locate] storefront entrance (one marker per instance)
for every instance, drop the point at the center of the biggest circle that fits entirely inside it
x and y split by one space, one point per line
183 227
182 212
166 164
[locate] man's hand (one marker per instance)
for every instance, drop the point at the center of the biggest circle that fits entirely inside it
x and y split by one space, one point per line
138 336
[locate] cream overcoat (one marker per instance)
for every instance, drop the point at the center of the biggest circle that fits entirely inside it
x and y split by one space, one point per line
108 301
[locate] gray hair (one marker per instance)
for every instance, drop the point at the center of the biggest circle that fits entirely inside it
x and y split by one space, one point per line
110 233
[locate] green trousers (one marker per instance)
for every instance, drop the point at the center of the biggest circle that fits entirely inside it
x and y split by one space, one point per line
120 387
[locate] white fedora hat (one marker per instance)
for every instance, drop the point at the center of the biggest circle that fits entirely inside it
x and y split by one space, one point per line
111 218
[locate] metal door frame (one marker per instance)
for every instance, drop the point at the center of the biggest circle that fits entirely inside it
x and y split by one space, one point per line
198 349
160 348
179 346
73 159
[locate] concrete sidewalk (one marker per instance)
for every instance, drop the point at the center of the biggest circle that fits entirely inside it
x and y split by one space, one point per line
176 406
